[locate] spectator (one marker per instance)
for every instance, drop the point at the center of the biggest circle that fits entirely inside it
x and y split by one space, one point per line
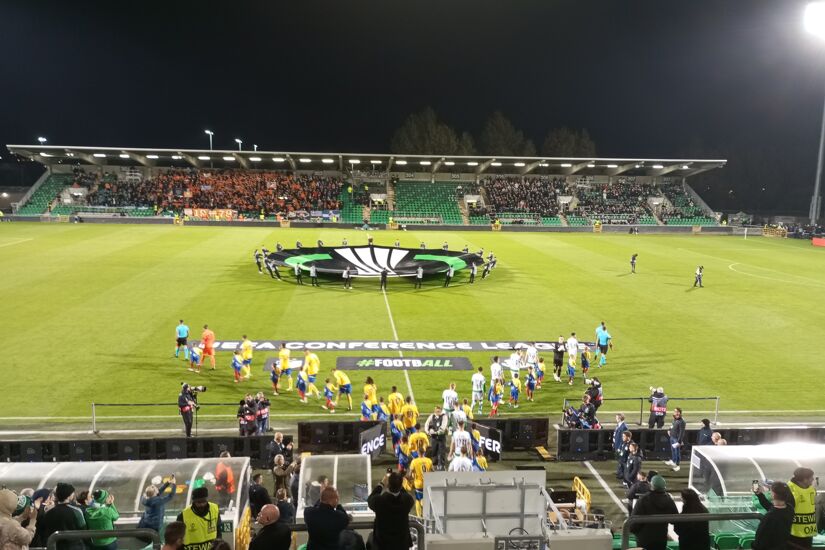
639 489
286 508
392 505
13 536
350 539
621 427
276 447
274 534
774 528
325 521
705 435
173 536
202 519
804 507
258 495
693 535
154 504
717 439
676 433
65 516
101 514
43 501
653 536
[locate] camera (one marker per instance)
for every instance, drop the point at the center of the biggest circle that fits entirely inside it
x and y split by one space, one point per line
193 389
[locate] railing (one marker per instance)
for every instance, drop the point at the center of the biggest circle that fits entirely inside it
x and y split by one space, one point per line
643 400
141 534
679 518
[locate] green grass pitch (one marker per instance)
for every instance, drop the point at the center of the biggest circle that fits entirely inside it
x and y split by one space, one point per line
89 313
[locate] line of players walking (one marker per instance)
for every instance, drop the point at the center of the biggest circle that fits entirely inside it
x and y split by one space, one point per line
263 261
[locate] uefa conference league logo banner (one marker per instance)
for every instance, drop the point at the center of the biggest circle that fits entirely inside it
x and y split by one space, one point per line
392 345
373 441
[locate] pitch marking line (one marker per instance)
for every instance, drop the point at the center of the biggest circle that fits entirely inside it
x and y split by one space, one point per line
18 241
808 282
395 335
606 487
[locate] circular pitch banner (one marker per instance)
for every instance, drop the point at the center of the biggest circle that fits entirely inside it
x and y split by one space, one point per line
369 261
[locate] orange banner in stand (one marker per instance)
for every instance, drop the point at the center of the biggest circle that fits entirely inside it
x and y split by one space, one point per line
221 214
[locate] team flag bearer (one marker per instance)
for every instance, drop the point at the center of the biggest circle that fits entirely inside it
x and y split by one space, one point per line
182 333
329 393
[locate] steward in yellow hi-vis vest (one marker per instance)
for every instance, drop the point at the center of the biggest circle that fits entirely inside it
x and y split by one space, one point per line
202 519
804 510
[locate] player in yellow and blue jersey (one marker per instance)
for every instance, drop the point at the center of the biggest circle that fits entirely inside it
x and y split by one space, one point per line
283 362
344 386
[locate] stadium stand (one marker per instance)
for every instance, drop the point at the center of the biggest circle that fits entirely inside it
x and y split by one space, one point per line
682 211
419 202
42 198
622 202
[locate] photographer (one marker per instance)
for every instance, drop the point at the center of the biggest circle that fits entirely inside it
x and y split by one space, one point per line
187 402
658 407
437 430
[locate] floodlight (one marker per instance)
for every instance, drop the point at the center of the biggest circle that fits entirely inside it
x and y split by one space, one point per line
42 140
228 158
5 195
591 165
255 159
472 163
424 162
638 166
153 157
657 166
543 164
100 155
518 164
203 157
209 132
354 161
123 156
685 167
566 165
176 157
401 162
47 154
495 164
449 163
69 154
612 165
278 159
815 18
375 162
327 161
238 141
304 160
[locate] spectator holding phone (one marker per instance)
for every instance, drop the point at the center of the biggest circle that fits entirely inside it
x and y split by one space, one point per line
774 529
101 515
154 504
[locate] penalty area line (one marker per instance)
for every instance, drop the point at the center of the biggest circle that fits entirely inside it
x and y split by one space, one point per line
395 335
605 486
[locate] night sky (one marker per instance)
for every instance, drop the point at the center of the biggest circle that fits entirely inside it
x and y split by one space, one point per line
738 79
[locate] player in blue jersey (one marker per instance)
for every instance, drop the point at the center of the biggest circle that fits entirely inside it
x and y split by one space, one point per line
182 333
530 383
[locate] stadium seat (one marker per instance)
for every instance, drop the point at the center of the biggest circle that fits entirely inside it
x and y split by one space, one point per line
422 201
726 541
746 541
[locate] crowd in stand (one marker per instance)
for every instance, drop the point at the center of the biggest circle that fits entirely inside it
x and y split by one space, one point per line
536 195
682 205
242 190
609 203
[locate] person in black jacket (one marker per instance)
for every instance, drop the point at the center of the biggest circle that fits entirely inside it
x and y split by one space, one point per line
65 516
274 534
633 465
653 536
677 436
284 506
350 539
694 535
775 527
258 495
639 489
705 434
392 514
325 521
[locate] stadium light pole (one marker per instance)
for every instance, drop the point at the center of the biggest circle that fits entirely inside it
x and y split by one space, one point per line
209 133
815 24
255 146
239 142
42 140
